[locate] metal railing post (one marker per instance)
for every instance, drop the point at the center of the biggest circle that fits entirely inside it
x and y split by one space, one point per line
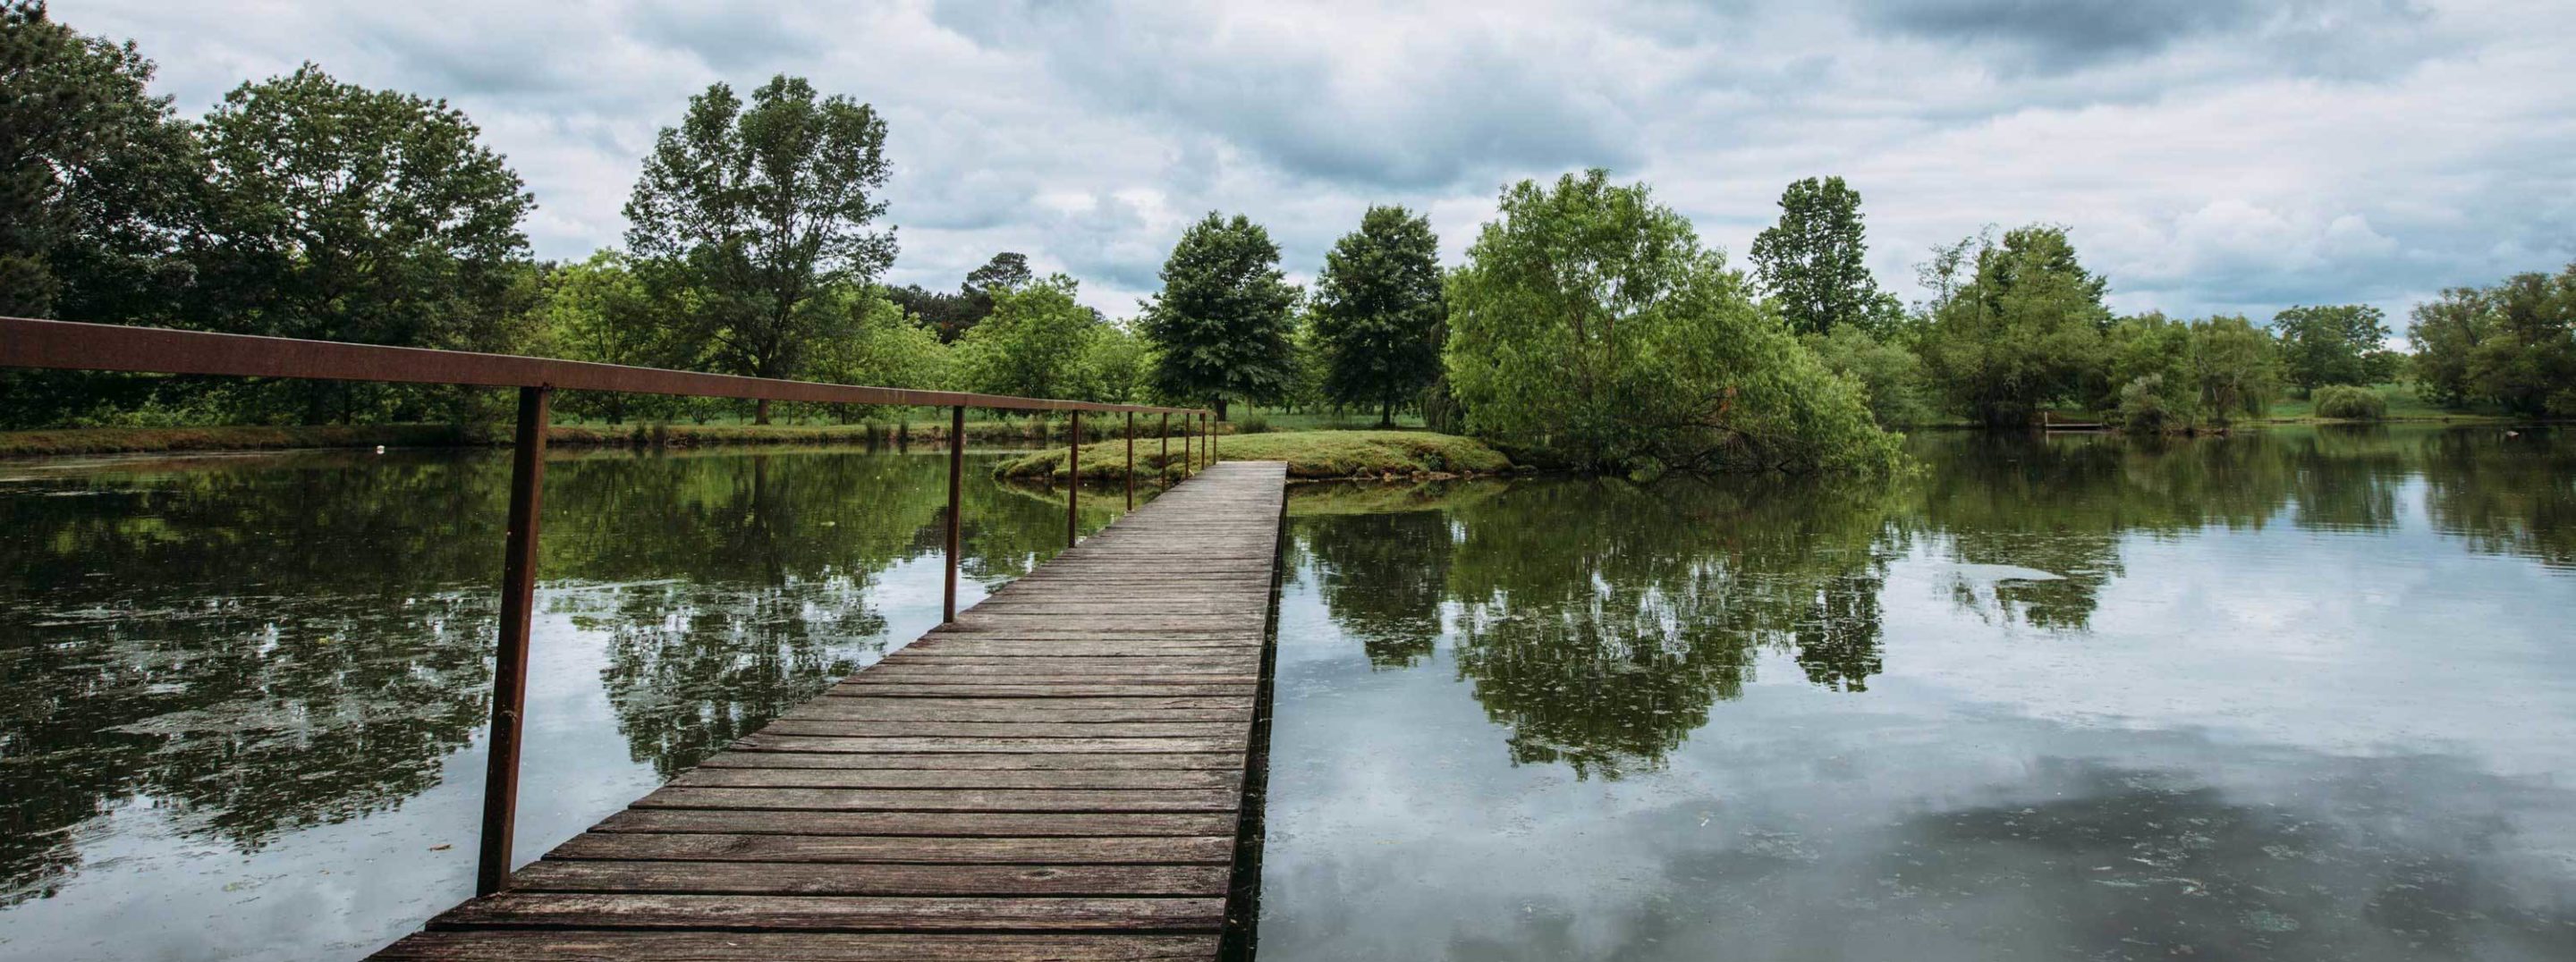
1211 442
956 495
1073 482
510 659
1131 460
1163 468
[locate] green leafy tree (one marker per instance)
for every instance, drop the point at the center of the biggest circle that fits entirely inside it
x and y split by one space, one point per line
1220 327
2446 332
1117 367
1377 312
752 212
2511 346
2233 365
1815 261
871 341
596 309
1892 375
1589 327
97 182
2332 344
346 214
1035 344
2022 331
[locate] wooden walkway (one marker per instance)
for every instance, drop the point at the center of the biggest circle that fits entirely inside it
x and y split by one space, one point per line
1058 775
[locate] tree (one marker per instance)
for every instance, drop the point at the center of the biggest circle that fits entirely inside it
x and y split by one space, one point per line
1035 344
97 181
1116 368
868 340
1220 327
1815 262
1891 375
2233 365
2331 344
596 310
754 212
2023 331
1006 271
2512 345
1588 327
1377 312
346 214
95 176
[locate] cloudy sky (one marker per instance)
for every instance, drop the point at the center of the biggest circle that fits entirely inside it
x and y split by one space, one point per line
2209 155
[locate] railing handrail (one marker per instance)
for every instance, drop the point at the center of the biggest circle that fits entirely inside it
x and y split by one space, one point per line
72 345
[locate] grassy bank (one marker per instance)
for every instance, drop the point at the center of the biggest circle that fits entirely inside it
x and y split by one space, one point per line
1310 455
2403 405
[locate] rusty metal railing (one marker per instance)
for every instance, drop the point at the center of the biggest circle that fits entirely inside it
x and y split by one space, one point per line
66 345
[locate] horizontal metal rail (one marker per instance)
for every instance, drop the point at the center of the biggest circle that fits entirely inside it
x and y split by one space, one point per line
26 342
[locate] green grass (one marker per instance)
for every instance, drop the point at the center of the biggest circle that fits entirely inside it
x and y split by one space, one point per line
1245 414
1310 455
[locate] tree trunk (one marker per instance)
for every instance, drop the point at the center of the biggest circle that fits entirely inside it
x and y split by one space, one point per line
760 414
1220 409
1386 414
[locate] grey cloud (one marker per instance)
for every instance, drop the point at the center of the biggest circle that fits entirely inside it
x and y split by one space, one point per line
731 38
2060 35
1450 107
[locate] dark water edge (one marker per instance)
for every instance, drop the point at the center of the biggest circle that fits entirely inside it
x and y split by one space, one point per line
247 693
2297 694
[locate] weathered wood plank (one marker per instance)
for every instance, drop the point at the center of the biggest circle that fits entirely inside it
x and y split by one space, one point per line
775 913
758 754
1009 729
946 799
1234 743
942 850
1151 778
612 946
911 710
805 878
951 824
914 688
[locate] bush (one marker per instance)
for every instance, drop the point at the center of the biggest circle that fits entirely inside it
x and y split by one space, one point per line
2144 406
1252 423
1590 329
2349 403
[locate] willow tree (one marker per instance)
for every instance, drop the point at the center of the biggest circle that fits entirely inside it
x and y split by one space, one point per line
750 212
1589 327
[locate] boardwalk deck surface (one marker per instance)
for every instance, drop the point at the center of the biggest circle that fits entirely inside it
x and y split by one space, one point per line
1057 775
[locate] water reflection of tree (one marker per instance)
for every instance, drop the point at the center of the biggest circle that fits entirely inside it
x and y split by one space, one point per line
324 665
1602 636
1383 577
2505 495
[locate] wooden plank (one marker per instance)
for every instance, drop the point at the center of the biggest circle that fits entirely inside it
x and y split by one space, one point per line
1008 729
612 946
947 799
1149 778
783 913
835 849
757 755
918 689
913 710
1234 743
948 824
805 878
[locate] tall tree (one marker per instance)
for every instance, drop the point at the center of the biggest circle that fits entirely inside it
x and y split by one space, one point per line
95 176
2025 330
2512 346
1220 327
96 189
1377 312
752 212
1815 261
1008 270
2332 344
347 214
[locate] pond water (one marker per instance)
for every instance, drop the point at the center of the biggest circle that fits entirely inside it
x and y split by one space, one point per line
2292 695
245 697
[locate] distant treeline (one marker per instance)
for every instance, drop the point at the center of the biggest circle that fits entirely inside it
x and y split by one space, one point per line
1588 326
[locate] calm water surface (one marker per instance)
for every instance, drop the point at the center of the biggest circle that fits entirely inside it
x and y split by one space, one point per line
242 699
2295 695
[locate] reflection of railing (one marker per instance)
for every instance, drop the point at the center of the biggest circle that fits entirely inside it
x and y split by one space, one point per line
106 347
